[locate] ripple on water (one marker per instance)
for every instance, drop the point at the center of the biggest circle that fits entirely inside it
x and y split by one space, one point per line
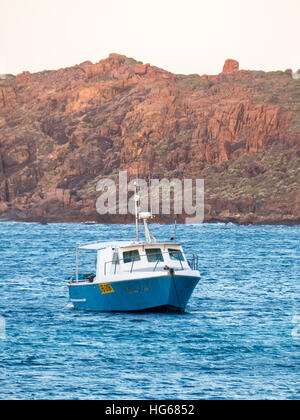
237 339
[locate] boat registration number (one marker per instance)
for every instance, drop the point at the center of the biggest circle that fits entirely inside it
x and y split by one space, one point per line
106 288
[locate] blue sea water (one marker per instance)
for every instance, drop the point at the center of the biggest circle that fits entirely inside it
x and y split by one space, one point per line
239 338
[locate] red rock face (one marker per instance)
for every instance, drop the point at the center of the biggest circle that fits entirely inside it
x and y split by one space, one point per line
61 131
230 66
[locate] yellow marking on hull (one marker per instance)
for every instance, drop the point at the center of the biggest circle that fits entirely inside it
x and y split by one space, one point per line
106 288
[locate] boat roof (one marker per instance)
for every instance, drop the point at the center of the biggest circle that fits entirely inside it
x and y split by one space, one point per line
96 246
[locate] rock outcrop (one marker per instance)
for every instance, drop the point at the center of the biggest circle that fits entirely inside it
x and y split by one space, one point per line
230 66
61 131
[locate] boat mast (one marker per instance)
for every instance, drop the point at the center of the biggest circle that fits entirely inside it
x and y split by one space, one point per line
143 216
148 235
136 200
76 249
175 231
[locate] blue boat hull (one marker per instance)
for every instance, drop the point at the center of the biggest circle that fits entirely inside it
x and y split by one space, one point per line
152 293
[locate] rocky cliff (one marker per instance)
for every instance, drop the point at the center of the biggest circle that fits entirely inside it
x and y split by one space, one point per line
61 131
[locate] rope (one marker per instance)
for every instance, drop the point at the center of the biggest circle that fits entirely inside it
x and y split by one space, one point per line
178 300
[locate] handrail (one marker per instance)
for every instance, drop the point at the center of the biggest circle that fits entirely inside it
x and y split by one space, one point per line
133 261
192 263
155 265
131 265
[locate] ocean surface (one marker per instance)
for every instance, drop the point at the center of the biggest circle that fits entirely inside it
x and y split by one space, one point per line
239 337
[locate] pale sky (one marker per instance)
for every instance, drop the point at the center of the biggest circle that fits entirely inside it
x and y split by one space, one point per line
181 36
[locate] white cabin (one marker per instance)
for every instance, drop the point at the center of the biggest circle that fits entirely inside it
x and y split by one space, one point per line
115 258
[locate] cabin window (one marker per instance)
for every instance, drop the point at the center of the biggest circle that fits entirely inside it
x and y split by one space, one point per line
154 254
130 256
175 254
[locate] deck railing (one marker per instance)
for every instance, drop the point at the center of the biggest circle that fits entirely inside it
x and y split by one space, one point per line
193 261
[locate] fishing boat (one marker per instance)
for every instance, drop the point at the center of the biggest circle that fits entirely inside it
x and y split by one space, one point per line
137 275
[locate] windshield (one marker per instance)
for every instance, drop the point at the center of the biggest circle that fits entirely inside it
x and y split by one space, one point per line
154 255
175 254
130 256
